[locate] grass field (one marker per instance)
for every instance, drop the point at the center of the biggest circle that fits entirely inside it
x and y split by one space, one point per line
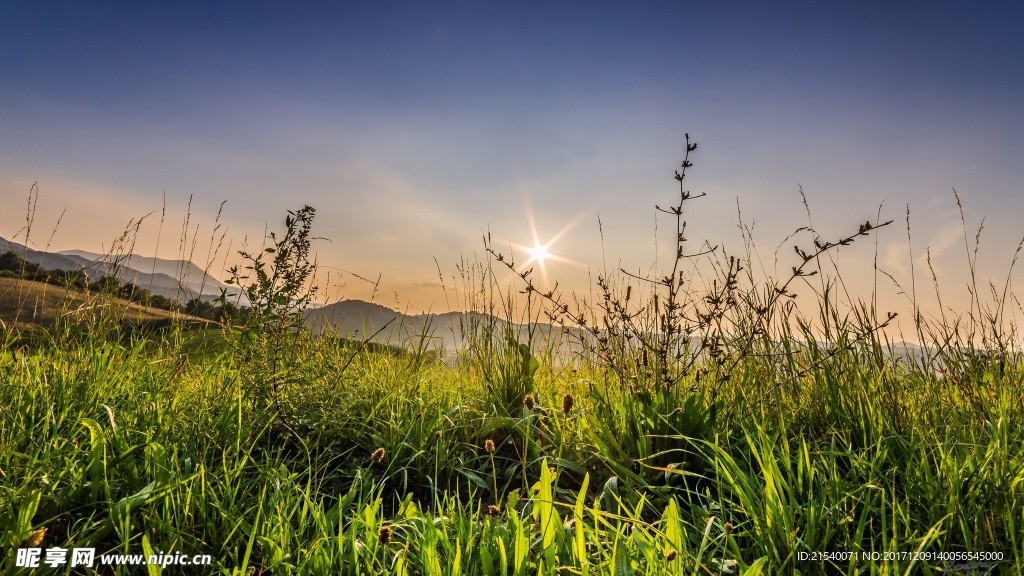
699 431
400 464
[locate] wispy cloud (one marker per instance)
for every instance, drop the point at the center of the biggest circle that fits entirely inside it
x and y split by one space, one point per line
941 242
896 258
896 255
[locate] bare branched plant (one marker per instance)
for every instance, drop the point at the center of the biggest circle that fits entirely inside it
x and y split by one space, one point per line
686 324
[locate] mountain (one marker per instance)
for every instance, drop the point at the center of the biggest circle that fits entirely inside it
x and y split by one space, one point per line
451 331
47 260
192 279
157 275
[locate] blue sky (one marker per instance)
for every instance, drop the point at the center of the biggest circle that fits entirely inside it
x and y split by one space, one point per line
413 127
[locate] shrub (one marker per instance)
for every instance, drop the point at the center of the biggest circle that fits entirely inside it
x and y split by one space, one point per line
276 283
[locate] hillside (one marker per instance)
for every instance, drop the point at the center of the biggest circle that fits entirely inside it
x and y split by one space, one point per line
179 280
24 304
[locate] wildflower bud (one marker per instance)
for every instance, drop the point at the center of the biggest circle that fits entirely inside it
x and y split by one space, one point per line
567 402
378 455
384 534
489 446
670 555
729 527
529 402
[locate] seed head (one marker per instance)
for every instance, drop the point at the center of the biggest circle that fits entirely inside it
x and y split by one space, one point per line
35 538
729 527
378 455
493 510
567 403
529 402
384 534
489 446
670 555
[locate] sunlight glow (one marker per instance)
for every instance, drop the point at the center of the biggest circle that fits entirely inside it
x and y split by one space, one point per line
540 252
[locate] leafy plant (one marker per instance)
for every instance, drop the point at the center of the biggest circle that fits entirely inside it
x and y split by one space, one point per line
276 283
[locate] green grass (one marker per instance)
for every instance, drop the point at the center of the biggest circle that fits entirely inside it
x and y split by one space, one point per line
152 442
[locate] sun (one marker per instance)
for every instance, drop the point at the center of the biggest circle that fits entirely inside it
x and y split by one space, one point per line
538 253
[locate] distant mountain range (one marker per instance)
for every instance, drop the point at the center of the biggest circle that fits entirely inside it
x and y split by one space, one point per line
454 331
179 280
450 331
183 280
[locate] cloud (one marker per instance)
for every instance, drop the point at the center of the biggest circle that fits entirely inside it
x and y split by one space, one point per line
896 255
940 243
895 258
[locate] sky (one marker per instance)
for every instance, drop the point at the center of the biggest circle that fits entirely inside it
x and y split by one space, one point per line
416 128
